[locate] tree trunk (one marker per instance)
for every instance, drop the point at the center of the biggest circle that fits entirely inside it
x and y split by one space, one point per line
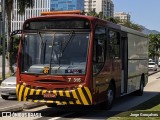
9 52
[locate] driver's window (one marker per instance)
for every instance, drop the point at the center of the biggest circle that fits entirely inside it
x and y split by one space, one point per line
99 48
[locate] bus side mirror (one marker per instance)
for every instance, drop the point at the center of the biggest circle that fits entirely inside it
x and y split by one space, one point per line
15 32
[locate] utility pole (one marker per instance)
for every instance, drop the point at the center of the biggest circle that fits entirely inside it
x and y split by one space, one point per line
1 26
3 39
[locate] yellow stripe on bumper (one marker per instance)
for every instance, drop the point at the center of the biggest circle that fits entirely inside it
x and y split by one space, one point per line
81 96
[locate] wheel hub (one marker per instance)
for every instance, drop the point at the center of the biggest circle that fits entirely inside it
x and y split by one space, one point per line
110 96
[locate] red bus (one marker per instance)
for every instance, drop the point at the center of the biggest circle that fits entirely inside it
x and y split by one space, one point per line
72 59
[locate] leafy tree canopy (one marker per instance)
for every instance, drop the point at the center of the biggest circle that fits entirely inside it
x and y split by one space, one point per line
126 23
22 5
154 45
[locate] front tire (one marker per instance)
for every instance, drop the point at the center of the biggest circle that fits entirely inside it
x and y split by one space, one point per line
109 97
50 104
5 97
141 89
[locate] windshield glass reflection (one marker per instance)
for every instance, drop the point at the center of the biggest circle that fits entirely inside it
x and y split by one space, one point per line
55 53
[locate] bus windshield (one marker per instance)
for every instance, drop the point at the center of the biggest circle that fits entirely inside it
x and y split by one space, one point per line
55 53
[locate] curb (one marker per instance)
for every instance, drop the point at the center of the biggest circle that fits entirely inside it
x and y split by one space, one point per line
30 105
15 108
19 108
154 72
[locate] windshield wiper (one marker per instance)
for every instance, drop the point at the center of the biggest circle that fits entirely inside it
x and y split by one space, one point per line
43 45
40 36
68 41
52 51
61 50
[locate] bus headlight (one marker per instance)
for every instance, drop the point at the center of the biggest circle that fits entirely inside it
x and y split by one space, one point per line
80 85
24 84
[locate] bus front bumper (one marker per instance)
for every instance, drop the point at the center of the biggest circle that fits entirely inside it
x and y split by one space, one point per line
79 96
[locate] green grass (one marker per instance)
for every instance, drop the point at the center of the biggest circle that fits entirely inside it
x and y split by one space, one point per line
150 107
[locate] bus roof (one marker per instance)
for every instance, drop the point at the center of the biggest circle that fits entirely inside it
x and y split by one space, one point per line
45 17
132 31
59 14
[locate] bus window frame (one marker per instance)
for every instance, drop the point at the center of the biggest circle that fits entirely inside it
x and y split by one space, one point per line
27 23
95 41
118 34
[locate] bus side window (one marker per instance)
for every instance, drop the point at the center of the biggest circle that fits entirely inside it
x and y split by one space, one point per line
99 48
114 44
99 51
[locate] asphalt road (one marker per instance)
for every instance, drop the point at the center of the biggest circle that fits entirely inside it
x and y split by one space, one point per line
94 113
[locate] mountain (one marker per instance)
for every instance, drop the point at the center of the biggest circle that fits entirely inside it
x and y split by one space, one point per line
148 31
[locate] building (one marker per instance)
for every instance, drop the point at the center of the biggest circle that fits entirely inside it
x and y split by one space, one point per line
104 6
67 5
122 16
39 6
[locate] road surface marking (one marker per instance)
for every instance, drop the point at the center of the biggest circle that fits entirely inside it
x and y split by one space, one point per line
56 118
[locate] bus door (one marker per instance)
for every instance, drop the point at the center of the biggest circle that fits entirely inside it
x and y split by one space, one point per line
124 56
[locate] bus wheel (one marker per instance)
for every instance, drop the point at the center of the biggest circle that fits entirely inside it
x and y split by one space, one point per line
140 91
109 98
5 97
50 104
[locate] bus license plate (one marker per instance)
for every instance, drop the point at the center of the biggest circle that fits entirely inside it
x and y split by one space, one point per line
49 95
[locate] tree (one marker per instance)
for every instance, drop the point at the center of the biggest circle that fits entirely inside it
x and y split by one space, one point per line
126 23
22 5
1 46
1 49
92 13
131 25
154 45
113 20
14 48
100 15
